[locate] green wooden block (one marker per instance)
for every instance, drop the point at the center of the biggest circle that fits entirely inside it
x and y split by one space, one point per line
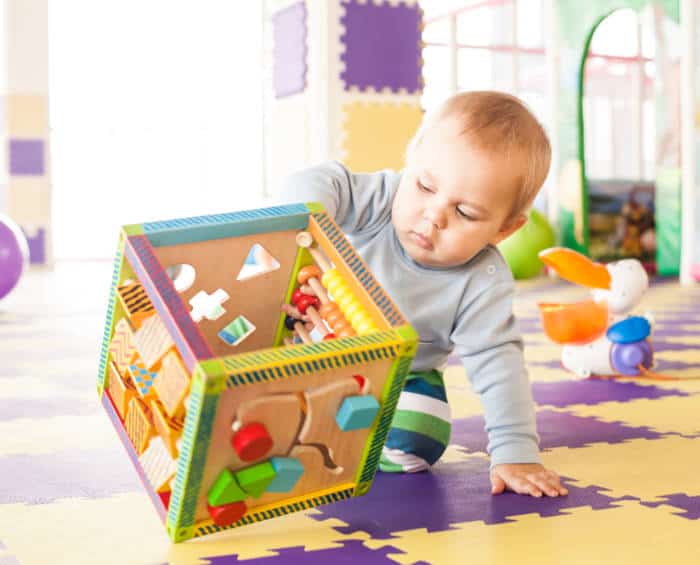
254 480
225 490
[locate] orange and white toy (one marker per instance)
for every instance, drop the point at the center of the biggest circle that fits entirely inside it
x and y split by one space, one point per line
598 335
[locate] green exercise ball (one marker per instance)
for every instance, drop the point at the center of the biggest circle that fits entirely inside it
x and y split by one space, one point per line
520 249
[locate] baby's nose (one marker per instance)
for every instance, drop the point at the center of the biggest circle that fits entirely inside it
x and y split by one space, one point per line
436 217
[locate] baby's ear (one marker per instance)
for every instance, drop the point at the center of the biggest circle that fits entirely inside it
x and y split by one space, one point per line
509 228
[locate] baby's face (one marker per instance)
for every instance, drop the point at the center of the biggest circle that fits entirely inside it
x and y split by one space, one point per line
453 198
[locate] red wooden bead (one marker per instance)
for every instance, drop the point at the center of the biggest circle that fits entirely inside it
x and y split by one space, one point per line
251 442
227 514
305 301
360 380
296 295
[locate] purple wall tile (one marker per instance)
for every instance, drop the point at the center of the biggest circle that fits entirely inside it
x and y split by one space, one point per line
382 46
27 157
37 246
289 50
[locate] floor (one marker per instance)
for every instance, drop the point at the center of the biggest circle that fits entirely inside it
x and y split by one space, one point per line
630 452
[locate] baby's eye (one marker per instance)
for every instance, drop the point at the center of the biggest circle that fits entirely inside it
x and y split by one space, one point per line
422 187
465 215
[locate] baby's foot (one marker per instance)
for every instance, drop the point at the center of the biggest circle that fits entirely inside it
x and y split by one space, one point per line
397 461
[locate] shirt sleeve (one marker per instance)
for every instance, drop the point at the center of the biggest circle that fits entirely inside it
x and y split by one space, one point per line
489 344
356 201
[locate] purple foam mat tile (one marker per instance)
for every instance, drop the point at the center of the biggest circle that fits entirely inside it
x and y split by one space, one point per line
351 553
43 478
659 346
689 505
595 391
382 46
556 429
448 494
666 365
666 329
43 408
289 50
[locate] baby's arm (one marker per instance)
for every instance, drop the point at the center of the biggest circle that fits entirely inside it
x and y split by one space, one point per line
488 341
356 201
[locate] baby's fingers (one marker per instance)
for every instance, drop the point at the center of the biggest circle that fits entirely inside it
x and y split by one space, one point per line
549 483
522 485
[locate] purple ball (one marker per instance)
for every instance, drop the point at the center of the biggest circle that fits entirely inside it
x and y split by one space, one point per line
14 255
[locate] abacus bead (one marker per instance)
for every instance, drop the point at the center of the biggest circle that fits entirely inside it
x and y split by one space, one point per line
346 332
310 272
289 323
327 308
367 326
296 295
305 301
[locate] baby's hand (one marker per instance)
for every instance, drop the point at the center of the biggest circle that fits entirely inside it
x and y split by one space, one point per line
526 478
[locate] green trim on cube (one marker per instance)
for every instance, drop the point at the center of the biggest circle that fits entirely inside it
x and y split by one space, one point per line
132 229
390 398
109 322
315 207
196 436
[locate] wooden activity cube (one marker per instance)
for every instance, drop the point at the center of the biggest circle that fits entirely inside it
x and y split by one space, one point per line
228 419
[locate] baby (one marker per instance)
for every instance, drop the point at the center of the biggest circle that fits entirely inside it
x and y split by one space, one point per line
428 234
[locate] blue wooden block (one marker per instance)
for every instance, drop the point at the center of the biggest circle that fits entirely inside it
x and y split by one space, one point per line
629 330
288 471
357 412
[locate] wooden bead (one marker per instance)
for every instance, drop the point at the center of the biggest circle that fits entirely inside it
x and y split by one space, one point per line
335 316
296 295
251 442
305 301
327 308
346 332
310 272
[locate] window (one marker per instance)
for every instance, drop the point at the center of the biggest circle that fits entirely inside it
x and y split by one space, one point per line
155 113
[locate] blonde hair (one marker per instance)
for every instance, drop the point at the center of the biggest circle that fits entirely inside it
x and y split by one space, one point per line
500 123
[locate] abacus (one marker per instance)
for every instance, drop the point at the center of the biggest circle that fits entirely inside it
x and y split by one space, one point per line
251 365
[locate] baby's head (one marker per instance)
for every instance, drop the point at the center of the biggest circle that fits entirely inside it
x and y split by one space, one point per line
472 171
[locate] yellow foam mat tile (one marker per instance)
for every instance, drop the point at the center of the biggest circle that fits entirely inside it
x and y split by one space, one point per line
630 533
690 356
76 529
669 414
643 468
261 539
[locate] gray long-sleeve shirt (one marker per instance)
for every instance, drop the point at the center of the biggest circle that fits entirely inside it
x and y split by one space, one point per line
466 309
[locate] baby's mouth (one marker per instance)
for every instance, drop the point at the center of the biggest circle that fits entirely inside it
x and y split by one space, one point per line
421 241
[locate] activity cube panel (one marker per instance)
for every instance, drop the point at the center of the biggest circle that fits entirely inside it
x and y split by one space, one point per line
251 365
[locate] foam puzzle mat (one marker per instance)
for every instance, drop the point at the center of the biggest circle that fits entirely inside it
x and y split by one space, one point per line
629 451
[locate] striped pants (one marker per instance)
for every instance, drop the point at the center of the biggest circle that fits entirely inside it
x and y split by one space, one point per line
420 431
